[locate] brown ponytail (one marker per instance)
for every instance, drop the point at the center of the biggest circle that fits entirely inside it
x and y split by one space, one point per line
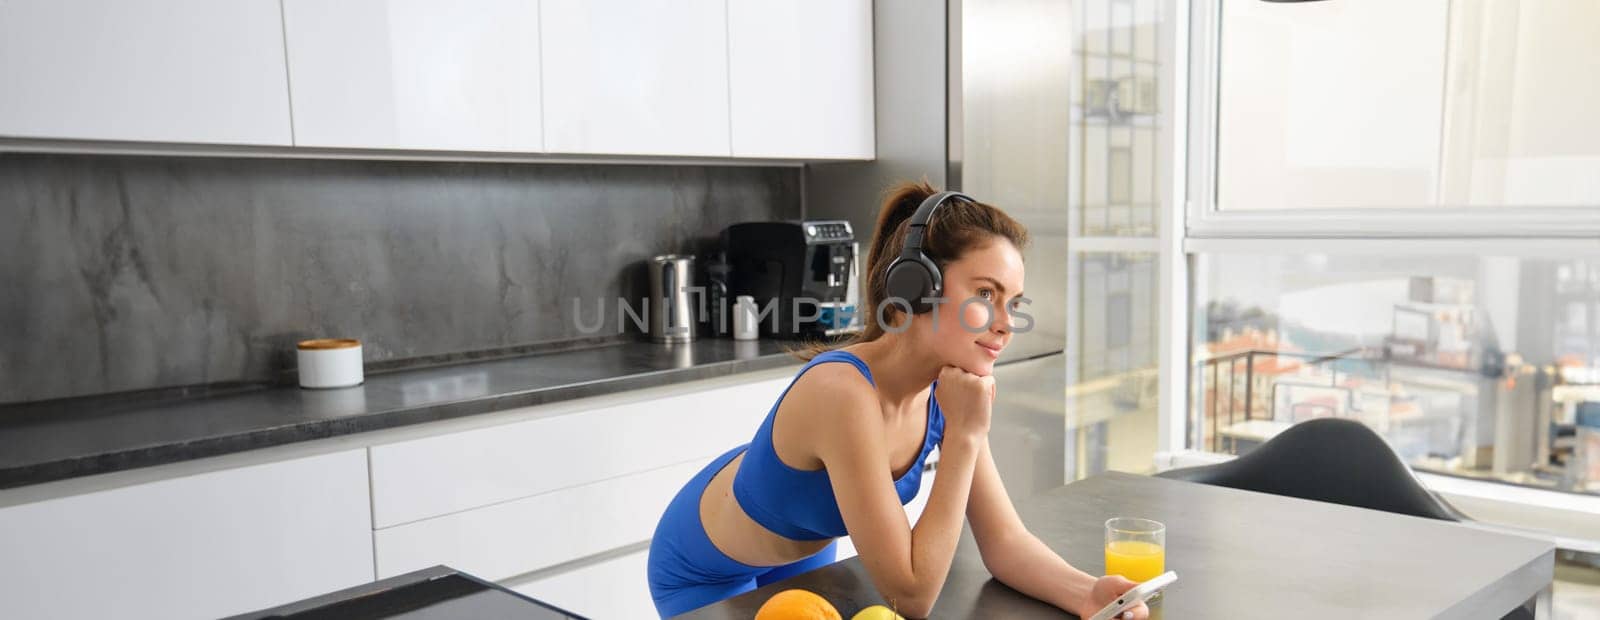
957 227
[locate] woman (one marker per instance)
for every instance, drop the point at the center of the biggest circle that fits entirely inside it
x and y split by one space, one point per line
843 448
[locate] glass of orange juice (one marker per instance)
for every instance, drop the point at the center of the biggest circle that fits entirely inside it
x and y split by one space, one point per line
1136 548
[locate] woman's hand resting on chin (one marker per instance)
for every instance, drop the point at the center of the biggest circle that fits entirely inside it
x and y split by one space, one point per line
966 400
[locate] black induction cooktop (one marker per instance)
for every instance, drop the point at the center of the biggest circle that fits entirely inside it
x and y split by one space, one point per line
437 593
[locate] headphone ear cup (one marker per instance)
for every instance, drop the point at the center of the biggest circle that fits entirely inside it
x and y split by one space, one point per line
909 280
935 287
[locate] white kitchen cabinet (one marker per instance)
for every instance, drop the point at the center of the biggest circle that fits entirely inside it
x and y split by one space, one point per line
801 79
430 476
201 546
187 71
505 540
611 588
640 77
415 74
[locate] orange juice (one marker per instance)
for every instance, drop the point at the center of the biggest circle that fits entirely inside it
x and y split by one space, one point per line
1135 559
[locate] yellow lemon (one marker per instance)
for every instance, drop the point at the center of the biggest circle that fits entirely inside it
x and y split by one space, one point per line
797 604
876 612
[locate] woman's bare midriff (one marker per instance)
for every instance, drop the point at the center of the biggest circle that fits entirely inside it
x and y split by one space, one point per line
738 536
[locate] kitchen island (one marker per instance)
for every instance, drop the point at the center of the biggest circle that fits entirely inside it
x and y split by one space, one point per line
1238 554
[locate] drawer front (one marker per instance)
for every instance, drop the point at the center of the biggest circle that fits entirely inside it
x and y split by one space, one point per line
614 588
509 539
202 546
432 476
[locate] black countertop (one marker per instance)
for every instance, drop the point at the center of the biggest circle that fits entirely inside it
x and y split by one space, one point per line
439 593
55 440
1238 554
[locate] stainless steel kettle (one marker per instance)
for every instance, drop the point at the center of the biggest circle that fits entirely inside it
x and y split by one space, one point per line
672 316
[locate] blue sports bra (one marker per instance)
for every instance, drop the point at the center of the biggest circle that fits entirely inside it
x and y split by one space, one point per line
800 505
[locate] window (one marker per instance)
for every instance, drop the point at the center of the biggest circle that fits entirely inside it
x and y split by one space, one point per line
1116 118
1120 206
1470 365
1395 217
1367 104
1112 363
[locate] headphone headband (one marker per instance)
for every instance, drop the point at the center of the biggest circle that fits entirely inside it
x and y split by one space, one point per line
913 276
919 221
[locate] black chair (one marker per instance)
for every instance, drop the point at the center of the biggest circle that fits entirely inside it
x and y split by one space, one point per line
1327 460
1331 460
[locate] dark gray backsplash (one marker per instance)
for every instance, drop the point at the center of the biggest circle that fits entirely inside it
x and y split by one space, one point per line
129 273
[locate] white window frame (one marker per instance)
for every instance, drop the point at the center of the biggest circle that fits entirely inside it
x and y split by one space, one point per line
1173 403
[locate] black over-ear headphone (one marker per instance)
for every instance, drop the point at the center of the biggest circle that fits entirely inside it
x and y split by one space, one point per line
913 275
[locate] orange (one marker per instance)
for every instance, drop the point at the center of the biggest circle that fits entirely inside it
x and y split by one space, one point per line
797 604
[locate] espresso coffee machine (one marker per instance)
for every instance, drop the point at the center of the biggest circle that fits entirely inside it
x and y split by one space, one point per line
802 270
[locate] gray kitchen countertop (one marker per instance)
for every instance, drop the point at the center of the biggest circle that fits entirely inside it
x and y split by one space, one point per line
55 440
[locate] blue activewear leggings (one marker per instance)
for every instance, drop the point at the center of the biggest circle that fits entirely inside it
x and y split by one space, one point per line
687 572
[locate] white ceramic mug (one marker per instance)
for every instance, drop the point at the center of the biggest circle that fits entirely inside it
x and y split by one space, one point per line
329 362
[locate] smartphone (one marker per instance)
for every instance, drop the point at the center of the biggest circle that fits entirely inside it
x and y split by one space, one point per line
1139 594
